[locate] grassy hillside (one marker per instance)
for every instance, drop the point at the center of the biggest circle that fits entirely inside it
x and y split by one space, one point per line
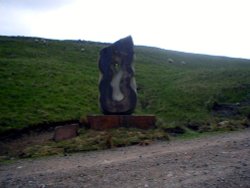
49 80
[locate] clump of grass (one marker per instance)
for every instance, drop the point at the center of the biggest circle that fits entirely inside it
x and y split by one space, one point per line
245 110
230 125
190 129
89 140
199 126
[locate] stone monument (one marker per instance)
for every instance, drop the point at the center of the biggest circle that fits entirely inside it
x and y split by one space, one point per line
117 83
117 87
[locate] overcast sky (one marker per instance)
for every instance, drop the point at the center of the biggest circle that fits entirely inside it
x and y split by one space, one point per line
217 27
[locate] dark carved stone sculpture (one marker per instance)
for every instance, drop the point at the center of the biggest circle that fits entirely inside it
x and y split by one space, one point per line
117 83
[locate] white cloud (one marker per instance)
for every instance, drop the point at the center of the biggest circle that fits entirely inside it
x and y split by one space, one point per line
208 26
34 4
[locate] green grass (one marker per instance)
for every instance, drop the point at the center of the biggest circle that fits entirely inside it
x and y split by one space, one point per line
180 92
46 82
55 80
58 80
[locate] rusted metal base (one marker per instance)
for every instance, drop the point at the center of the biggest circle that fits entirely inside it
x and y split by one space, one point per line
103 122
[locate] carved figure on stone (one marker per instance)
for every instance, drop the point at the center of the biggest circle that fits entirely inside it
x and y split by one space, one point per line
117 84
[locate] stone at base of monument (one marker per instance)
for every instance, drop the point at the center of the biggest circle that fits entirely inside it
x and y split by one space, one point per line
65 132
103 122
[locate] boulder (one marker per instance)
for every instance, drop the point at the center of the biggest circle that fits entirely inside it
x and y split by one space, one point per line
65 132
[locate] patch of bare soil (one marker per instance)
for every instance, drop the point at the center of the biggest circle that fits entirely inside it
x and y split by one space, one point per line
212 161
13 142
15 147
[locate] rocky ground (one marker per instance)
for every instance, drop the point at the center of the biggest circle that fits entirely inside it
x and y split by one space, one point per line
212 161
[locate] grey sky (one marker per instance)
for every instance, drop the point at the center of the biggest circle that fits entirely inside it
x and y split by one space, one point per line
34 4
218 27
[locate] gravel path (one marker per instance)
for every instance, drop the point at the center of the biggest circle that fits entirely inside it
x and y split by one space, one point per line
212 161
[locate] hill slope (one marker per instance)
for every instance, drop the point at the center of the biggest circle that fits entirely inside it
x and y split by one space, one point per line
50 80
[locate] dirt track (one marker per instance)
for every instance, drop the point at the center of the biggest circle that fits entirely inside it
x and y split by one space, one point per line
214 161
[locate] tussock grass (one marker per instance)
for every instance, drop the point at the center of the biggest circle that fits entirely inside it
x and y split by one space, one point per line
88 140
